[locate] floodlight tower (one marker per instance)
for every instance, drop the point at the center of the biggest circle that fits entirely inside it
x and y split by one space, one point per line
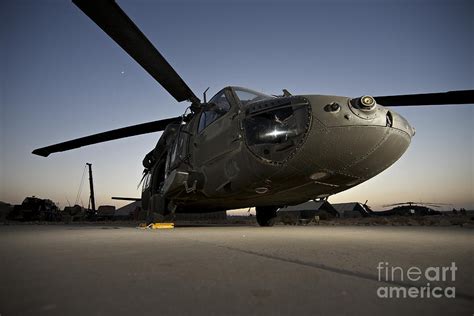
91 184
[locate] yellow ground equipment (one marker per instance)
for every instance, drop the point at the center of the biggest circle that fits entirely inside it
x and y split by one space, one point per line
157 226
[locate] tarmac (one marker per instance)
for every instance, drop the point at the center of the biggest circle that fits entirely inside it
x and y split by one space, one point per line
229 270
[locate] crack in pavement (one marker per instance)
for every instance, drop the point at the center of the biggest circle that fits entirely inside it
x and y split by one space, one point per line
324 267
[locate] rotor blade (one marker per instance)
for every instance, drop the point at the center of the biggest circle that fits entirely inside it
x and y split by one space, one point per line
440 98
125 198
395 204
416 204
113 21
402 203
124 132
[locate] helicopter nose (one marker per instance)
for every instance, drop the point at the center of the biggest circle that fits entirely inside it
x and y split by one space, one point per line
363 111
353 139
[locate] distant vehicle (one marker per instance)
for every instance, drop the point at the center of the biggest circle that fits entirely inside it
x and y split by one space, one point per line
73 213
105 212
35 209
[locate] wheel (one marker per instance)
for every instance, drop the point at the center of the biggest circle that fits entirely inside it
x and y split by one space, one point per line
159 211
266 215
154 217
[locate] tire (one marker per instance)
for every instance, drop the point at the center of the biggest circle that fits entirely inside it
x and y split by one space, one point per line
266 215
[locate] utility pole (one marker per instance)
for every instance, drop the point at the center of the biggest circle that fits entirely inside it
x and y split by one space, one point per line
91 184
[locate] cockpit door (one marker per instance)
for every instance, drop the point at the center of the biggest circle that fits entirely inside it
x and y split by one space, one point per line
218 129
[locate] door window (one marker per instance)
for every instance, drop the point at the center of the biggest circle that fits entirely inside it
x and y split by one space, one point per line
219 105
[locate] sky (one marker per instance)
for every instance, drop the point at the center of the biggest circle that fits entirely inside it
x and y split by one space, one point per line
61 77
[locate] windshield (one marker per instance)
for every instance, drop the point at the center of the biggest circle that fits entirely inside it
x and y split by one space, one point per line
248 96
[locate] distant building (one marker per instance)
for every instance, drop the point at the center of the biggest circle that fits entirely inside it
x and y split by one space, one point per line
307 212
5 209
352 209
129 211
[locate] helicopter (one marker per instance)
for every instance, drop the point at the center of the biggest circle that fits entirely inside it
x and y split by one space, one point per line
244 148
413 208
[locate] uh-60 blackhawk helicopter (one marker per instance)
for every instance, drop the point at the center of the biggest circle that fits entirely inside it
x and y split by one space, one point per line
243 148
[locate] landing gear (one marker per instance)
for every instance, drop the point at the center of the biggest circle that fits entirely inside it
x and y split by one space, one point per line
266 215
159 210
154 217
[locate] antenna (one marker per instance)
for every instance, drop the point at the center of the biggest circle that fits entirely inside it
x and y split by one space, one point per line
204 95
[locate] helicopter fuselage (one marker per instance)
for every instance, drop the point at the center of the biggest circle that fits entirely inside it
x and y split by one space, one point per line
272 151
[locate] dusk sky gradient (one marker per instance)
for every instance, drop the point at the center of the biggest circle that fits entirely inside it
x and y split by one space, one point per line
62 77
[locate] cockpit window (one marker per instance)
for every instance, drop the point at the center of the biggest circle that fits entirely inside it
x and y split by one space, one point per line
247 96
276 133
221 101
219 107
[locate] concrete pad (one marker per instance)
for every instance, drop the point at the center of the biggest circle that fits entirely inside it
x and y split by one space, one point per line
93 269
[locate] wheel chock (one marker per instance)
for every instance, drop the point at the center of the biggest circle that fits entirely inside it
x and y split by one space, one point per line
157 226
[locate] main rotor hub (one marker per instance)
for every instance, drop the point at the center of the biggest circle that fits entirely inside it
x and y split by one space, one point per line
367 102
364 107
